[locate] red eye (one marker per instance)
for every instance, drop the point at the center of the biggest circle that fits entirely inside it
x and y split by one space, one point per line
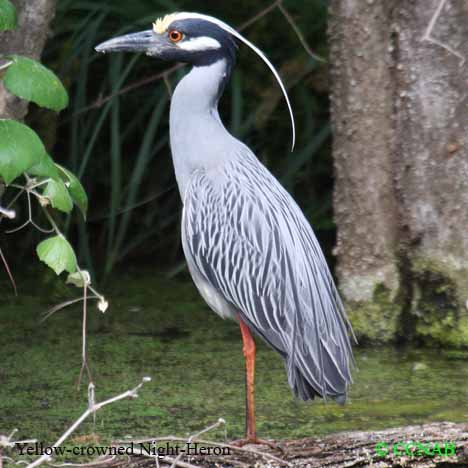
175 36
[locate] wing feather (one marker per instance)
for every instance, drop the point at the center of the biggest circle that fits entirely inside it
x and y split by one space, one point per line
246 236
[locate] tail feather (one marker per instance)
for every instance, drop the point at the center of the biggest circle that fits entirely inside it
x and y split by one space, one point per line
302 388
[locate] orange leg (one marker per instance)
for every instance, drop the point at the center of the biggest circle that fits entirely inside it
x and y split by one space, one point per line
249 355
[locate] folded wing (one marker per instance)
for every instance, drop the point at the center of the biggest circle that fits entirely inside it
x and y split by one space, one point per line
247 238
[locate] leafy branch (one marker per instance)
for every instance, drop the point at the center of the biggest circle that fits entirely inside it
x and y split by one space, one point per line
27 167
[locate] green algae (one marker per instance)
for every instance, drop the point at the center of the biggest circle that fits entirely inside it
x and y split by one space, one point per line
440 302
376 321
162 328
431 307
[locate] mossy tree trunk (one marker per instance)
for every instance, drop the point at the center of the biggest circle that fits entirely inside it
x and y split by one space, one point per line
400 116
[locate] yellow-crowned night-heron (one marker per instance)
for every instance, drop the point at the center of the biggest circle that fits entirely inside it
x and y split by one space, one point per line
252 254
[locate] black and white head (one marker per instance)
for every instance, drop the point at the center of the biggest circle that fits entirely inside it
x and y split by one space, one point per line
193 38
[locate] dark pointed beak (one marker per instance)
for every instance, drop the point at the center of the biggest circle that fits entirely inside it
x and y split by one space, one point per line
135 42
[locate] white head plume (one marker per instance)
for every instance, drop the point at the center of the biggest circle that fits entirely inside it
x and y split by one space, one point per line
230 30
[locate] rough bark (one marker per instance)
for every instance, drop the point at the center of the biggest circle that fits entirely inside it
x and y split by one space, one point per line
362 115
400 113
432 164
28 39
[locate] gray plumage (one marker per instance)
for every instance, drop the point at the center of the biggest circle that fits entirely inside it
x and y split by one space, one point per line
250 250
248 246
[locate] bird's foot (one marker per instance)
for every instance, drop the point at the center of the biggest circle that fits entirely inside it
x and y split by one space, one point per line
255 441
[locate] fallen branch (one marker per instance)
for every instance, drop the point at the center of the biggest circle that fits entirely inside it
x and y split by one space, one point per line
248 451
375 449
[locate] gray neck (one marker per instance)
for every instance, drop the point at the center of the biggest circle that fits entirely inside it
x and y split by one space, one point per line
198 137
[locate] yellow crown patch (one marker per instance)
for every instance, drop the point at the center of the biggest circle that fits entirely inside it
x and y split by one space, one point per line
161 25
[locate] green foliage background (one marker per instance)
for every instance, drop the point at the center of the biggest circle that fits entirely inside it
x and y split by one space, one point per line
119 146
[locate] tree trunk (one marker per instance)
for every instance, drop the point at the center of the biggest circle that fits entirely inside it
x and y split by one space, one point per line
400 113
34 18
365 202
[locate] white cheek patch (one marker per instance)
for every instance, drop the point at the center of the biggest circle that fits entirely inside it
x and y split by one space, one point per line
200 44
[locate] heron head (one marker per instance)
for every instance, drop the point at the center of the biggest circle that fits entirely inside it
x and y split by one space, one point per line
192 38
180 37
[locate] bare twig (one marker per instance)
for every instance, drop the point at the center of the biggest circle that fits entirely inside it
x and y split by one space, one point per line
131 87
145 201
197 434
102 306
164 459
98 462
11 214
92 408
63 305
298 32
430 27
86 282
174 462
84 356
29 220
10 276
259 15
8 442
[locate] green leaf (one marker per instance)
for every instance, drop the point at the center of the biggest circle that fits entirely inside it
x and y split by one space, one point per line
58 195
76 190
20 148
7 15
58 254
45 168
30 80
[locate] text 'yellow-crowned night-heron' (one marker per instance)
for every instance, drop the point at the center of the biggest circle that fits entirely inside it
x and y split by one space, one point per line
252 254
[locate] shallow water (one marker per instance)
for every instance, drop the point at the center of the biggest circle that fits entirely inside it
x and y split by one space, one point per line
161 328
